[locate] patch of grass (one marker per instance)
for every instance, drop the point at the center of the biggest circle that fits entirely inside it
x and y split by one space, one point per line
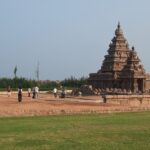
122 131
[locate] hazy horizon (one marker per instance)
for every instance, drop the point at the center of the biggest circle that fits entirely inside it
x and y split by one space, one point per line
69 37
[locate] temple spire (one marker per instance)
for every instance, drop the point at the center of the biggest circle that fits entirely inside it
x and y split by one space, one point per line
118 31
118 24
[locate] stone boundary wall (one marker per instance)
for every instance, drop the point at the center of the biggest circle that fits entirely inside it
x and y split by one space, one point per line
132 100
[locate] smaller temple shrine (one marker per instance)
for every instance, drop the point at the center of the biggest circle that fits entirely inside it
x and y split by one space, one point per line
121 69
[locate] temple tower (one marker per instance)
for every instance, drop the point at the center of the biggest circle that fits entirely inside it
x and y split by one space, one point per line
121 68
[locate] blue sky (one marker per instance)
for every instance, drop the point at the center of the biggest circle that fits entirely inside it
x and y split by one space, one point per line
68 37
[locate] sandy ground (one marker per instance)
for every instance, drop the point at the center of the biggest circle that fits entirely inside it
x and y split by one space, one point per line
46 104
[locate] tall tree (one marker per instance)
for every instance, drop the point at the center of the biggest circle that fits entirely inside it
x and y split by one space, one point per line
37 71
15 71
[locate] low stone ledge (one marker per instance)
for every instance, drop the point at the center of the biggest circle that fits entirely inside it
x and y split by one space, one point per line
132 100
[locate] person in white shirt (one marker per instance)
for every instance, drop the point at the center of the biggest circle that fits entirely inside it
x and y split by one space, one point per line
8 91
36 92
55 92
29 92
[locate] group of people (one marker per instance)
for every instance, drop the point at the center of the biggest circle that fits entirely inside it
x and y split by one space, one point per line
63 92
34 92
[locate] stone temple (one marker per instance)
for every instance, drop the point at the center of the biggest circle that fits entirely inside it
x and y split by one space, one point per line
121 69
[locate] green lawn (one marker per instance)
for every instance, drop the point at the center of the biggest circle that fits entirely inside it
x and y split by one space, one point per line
121 131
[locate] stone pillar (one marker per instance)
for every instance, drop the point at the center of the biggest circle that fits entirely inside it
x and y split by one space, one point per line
135 85
143 88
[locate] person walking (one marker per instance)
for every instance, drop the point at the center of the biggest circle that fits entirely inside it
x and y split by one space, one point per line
9 91
55 92
29 92
63 93
33 92
19 94
36 92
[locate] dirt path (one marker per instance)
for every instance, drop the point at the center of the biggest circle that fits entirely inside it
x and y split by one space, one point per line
48 105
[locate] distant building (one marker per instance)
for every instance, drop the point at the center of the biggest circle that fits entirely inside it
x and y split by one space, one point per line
121 68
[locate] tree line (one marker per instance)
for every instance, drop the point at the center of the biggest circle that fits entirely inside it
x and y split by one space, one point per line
71 82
